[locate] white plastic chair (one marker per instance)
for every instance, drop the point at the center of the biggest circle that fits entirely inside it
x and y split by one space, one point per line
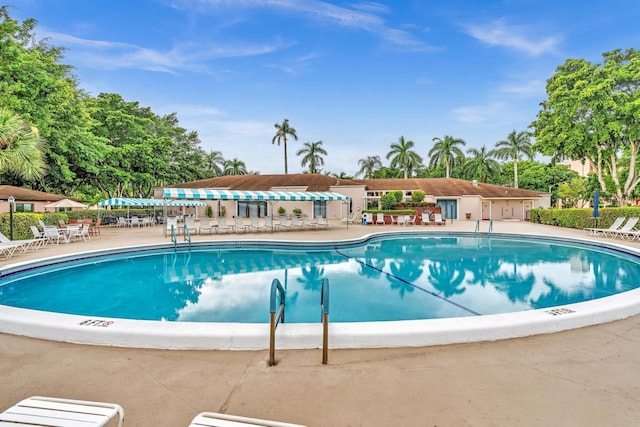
51 411
214 419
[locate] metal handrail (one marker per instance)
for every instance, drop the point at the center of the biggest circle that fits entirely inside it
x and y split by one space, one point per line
276 315
477 226
324 314
187 235
174 237
490 228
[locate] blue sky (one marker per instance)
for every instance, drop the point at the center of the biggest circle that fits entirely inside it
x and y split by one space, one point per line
356 75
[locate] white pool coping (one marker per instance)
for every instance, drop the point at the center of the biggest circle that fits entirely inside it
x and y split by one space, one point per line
250 336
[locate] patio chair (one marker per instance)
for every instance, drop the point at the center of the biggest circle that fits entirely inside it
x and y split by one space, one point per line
190 222
214 419
205 225
38 236
613 227
223 226
295 223
284 223
412 219
255 224
8 249
437 219
322 222
72 231
24 245
426 218
54 234
95 228
50 411
239 224
623 231
306 222
269 224
394 219
380 218
84 232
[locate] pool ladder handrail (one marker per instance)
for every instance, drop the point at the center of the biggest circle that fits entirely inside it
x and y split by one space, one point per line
276 315
187 235
324 317
488 230
174 238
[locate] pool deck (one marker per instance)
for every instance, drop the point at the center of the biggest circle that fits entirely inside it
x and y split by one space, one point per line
582 377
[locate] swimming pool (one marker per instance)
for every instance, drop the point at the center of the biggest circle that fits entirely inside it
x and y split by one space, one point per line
395 285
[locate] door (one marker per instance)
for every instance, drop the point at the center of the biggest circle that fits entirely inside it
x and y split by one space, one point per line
486 210
449 208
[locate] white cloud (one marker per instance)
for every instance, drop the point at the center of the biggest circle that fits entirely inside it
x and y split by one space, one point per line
498 33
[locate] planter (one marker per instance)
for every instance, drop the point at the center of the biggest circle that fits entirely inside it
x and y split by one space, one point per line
468 215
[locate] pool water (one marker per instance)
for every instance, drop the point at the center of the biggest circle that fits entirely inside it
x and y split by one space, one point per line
382 279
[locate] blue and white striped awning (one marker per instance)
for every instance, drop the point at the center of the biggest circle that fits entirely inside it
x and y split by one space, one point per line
208 194
141 203
131 202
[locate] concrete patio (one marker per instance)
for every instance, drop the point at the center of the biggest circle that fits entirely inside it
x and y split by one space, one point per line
583 377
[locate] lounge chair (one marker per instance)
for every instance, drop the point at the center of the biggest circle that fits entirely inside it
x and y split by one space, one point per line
213 419
205 225
24 245
284 223
394 219
53 233
625 230
50 411
38 236
295 223
268 223
190 223
426 218
223 226
322 222
255 224
239 224
615 226
306 222
380 218
437 219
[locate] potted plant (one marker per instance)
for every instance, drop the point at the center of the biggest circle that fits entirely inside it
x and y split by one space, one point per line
282 211
297 212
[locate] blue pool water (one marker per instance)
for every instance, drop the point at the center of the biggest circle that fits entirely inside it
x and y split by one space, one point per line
381 279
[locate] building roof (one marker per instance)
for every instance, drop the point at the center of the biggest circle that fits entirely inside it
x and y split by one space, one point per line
437 187
25 194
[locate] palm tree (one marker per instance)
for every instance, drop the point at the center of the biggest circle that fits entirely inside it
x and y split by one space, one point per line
215 161
446 152
481 165
516 145
312 152
368 165
283 130
20 147
403 157
235 167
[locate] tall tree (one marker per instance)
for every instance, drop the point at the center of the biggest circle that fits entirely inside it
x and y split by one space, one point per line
403 157
312 153
592 113
235 167
215 162
446 152
20 147
480 164
516 145
284 130
368 166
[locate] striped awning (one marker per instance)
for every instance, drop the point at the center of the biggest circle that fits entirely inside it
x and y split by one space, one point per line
208 194
131 202
141 202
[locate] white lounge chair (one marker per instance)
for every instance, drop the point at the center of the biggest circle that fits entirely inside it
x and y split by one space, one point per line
50 411
223 226
24 245
613 227
380 218
626 229
214 419
306 222
322 222
255 224
437 219
38 236
190 223
240 225
284 223
205 225
268 223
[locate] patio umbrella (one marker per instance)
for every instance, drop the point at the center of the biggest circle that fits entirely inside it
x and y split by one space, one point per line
596 213
596 202
66 203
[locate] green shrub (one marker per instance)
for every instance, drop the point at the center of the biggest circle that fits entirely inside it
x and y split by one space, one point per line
387 201
581 217
417 196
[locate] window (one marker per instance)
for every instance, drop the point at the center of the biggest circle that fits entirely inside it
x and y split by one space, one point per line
252 209
319 208
24 207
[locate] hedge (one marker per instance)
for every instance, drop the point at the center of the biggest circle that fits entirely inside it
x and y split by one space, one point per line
581 218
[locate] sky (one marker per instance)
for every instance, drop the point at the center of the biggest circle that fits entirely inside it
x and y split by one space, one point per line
356 75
